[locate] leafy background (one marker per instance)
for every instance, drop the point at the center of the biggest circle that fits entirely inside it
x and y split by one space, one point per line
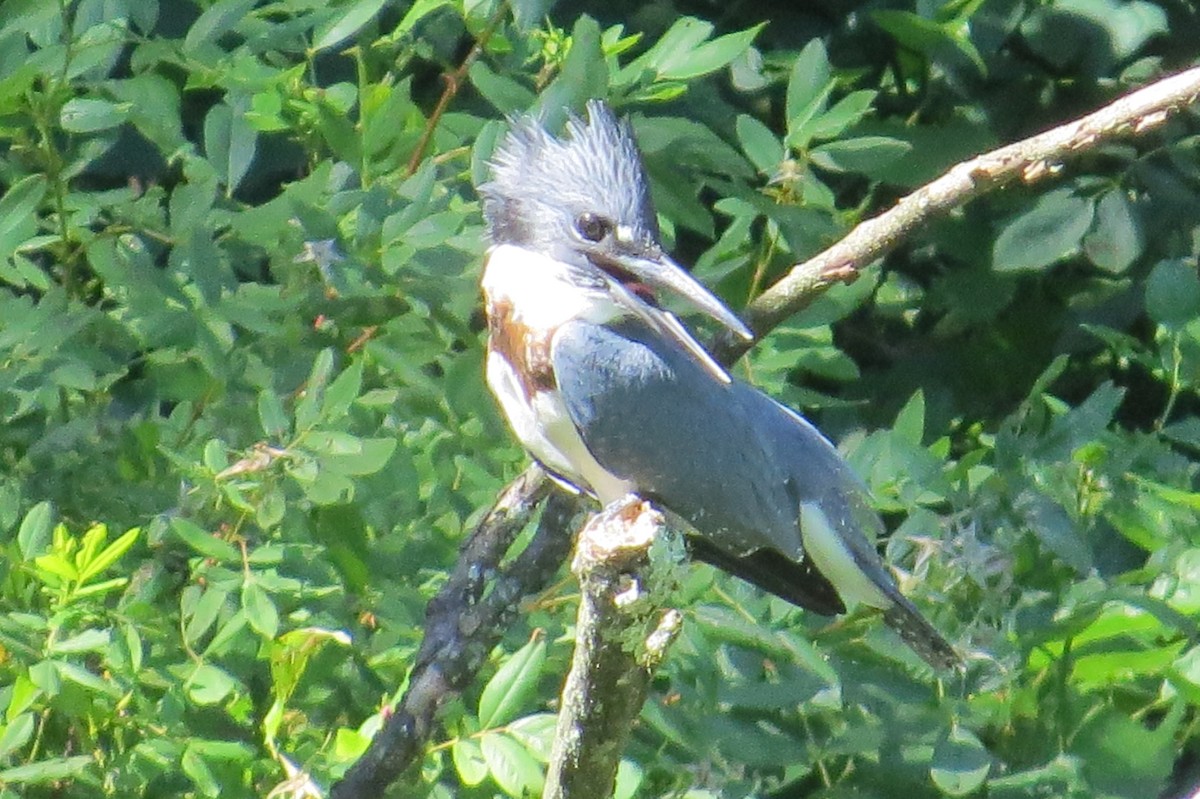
243 426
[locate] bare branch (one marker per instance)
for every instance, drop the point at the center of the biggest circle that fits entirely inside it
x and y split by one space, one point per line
622 635
1027 160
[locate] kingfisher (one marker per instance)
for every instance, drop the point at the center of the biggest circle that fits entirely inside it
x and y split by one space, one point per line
615 397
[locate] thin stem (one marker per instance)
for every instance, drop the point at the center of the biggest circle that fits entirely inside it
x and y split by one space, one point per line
454 82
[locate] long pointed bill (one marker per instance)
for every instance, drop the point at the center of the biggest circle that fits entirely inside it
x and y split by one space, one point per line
662 273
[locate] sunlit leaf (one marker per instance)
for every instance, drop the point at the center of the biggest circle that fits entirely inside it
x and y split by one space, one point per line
513 684
512 767
348 20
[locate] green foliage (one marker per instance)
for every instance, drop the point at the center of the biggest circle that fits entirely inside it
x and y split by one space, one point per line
243 424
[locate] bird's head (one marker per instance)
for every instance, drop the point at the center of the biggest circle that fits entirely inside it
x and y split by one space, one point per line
584 200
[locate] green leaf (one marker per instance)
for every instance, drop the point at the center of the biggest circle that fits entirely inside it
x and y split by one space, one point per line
512 767
230 142
201 613
343 391
809 85
846 112
1121 757
759 144
216 21
84 115
132 640
311 400
529 14
209 685
910 422
203 542
111 554
331 442
50 770
271 509
198 771
348 20
927 37
709 56
260 609
513 685
536 733
584 74
674 48
271 415
291 652
55 565
960 763
87 641
1050 231
506 94
1173 293
1055 528
865 154
368 456
15 734
86 679
349 745
1115 240
417 12
18 219
629 779
34 535
468 761
23 693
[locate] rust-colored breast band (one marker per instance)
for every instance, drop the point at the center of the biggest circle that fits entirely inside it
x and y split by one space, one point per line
527 350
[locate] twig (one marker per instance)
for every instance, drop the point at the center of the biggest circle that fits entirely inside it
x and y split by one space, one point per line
1028 160
454 81
622 636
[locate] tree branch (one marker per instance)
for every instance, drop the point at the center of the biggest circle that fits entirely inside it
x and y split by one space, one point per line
622 635
463 623
1028 160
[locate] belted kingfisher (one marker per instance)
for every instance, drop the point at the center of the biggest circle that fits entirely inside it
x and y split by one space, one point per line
613 395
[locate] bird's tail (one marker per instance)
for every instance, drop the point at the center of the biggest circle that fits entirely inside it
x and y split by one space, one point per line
920 635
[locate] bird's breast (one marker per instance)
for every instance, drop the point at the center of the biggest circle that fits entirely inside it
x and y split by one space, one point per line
527 300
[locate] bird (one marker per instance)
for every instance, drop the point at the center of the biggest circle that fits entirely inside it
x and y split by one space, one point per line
614 396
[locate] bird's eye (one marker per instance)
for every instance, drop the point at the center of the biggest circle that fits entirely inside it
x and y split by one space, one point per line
593 227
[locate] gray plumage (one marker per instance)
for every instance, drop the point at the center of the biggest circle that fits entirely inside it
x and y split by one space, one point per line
732 462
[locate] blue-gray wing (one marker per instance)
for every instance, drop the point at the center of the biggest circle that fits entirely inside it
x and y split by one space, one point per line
731 461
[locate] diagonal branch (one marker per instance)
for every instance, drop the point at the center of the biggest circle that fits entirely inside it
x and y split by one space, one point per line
1029 160
464 621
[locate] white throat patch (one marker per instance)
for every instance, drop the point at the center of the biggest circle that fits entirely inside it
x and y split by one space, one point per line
539 289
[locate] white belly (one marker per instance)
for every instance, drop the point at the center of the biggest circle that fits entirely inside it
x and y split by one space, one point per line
541 296
545 429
